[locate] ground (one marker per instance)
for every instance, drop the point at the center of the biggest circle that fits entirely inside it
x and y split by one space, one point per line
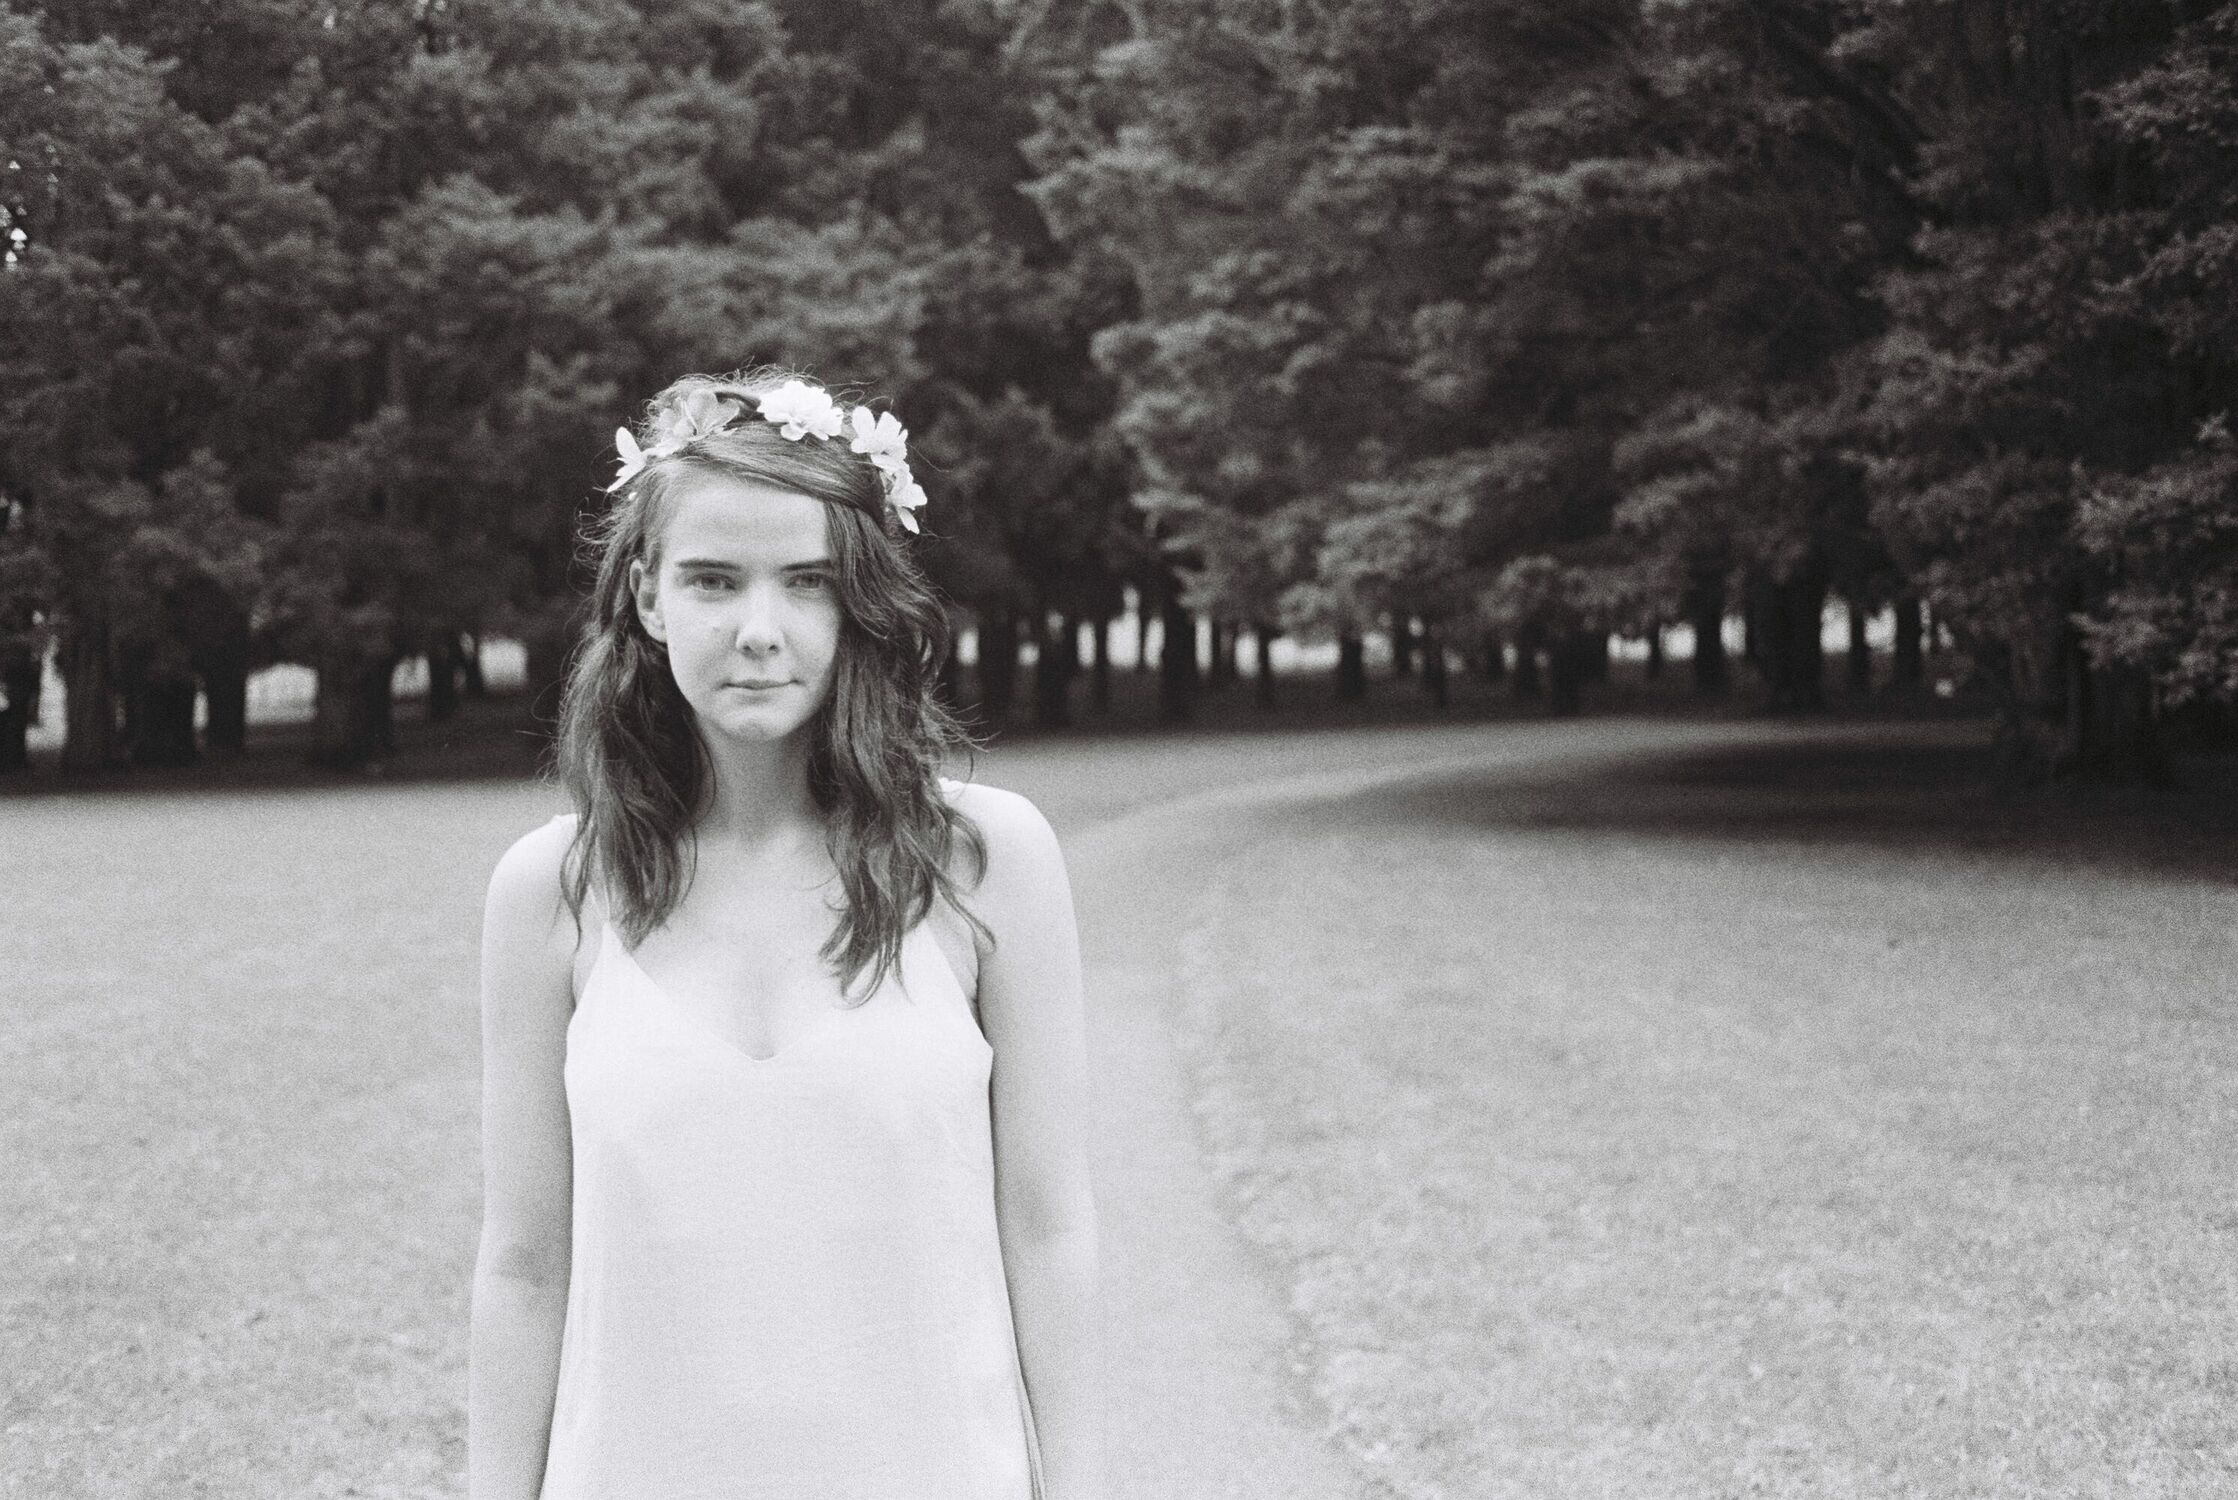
1512 1109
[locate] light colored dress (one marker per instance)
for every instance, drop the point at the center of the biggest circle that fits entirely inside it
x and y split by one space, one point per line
786 1281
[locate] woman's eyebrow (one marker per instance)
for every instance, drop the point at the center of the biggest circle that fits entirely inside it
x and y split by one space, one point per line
718 565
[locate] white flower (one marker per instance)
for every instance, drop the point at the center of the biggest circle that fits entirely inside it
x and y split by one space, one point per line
700 414
633 459
905 495
883 439
799 409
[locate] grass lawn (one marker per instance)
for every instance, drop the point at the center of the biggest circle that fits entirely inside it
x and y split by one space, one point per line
1784 1124
1681 1128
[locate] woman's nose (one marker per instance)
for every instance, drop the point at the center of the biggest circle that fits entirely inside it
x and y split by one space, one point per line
758 629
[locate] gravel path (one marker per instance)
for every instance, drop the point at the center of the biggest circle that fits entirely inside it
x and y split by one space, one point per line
1221 1384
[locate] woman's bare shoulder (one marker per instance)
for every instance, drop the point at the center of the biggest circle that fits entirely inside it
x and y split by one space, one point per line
526 890
1022 850
1006 819
534 861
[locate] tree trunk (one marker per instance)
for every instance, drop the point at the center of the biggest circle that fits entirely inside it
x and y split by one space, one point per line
1495 657
1056 662
998 664
1099 672
2110 731
1654 669
1178 673
1142 632
215 626
1705 613
1433 668
353 720
470 666
19 683
89 738
442 678
1785 620
1402 645
225 688
163 719
1804 599
1352 669
1860 654
1567 666
1909 666
1593 655
1225 673
1262 662
1527 684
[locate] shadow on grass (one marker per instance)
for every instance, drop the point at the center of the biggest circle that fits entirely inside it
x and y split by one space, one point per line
1901 788
491 740
496 738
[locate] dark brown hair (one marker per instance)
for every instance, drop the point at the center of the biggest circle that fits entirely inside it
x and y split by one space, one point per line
632 759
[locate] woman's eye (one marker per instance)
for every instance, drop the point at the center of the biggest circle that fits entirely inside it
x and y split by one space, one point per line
812 581
712 581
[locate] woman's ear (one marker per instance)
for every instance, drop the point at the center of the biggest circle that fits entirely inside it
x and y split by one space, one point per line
642 590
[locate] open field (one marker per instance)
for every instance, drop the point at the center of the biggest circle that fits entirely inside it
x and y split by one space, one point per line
1730 1124
1624 1108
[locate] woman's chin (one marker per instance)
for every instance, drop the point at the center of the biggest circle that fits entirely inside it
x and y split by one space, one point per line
755 723
757 729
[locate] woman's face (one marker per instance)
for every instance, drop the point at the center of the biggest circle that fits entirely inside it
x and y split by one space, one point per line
746 599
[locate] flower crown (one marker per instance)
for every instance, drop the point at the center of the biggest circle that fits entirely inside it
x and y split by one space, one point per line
797 410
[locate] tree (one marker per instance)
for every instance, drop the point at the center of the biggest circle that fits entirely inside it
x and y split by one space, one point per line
150 263
2039 416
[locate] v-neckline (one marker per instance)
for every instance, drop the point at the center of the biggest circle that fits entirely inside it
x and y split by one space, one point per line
684 1012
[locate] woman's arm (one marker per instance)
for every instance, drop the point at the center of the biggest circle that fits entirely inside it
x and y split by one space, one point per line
1030 1003
520 1273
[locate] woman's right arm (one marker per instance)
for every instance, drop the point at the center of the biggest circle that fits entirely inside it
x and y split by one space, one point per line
521 1270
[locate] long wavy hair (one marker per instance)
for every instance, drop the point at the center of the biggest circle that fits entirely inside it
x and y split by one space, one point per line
630 754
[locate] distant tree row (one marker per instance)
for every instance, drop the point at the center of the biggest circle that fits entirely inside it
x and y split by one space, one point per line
1534 320
319 319
1498 325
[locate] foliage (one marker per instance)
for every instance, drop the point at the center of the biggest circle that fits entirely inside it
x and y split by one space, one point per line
1528 318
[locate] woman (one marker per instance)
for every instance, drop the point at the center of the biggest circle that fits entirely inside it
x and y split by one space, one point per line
784 1186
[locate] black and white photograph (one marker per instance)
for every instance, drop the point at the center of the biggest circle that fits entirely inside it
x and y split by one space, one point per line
1119 750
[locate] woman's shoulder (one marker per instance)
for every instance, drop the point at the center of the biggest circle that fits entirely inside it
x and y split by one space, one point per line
532 867
999 813
1021 845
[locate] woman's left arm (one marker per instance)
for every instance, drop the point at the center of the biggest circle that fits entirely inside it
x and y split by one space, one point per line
1030 1004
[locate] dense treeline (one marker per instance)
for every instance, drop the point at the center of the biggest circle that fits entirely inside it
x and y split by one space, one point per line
1497 326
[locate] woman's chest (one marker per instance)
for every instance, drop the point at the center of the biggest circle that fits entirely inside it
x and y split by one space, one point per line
746 961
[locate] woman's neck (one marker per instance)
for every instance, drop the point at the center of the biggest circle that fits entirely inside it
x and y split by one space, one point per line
758 799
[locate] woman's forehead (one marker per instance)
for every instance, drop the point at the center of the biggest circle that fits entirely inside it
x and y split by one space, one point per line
740 520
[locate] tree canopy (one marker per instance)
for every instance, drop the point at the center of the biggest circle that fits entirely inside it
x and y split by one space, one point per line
1520 323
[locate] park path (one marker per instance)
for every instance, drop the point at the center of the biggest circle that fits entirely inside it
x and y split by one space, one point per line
1209 1387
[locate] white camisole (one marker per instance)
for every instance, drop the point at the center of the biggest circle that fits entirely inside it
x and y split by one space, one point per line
786 1282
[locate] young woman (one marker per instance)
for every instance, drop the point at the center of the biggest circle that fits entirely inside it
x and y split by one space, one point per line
785 1191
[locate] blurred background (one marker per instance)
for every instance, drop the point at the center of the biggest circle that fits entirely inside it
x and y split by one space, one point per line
1628 610
1792 341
